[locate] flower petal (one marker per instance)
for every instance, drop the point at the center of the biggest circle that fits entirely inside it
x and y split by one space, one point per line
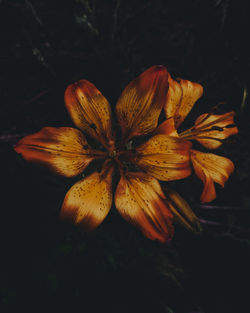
181 98
90 111
211 168
64 150
182 212
141 102
173 97
167 128
191 92
222 127
164 157
88 202
140 200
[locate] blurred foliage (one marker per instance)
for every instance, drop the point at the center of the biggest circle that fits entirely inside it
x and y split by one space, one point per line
49 266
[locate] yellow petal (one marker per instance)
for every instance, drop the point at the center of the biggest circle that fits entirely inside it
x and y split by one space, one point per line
182 212
88 202
64 150
181 98
191 92
221 129
141 102
211 168
173 97
90 111
140 200
164 157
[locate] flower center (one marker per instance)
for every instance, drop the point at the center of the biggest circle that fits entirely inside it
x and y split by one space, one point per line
112 154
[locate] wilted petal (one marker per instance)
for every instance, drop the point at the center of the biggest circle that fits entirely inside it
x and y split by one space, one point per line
211 168
88 202
140 200
164 157
182 212
90 111
222 126
64 150
141 102
167 128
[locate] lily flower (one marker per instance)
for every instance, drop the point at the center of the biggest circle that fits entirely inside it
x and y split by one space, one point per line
139 197
210 130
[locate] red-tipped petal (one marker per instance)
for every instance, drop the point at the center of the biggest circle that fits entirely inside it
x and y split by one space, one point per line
88 202
89 110
222 126
64 150
140 200
141 102
211 168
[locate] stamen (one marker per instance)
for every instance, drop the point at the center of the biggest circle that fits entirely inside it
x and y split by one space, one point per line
195 126
196 132
220 129
98 154
204 119
120 166
112 154
230 126
202 137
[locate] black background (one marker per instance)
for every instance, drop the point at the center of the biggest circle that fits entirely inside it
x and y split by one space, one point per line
48 266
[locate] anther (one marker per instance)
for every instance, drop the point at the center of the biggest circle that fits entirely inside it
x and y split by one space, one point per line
112 154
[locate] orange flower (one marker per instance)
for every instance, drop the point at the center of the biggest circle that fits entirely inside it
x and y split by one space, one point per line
209 129
138 197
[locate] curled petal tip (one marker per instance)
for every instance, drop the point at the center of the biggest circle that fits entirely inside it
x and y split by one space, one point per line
159 68
211 168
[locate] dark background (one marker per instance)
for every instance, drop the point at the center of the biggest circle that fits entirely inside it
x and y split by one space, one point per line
47 266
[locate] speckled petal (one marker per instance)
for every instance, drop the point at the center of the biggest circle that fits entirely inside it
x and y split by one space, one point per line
140 200
90 111
141 102
88 202
64 150
164 157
